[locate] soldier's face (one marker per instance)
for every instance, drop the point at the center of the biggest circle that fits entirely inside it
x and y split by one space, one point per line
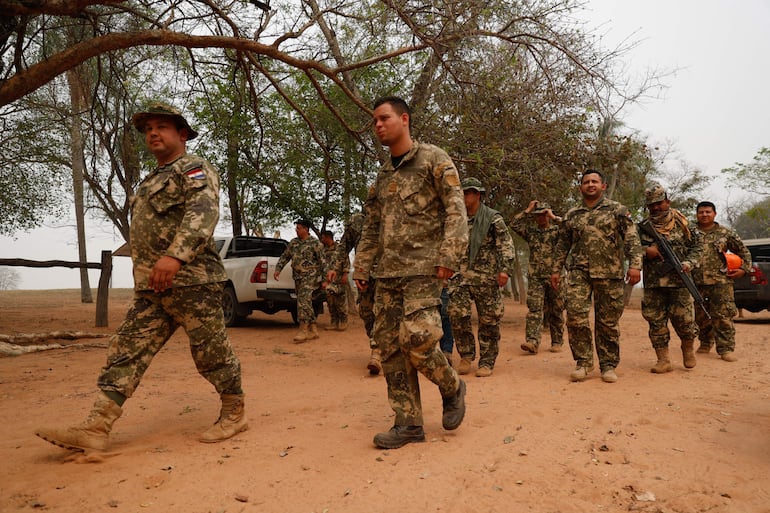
302 232
659 207
542 219
592 187
389 126
164 139
706 216
472 199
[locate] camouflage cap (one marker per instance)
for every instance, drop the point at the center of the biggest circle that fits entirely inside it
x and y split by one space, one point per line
473 183
162 109
654 193
541 208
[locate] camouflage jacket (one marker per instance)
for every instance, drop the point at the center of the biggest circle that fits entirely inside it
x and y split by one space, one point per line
658 273
330 262
173 213
416 218
495 255
598 240
306 258
716 241
347 243
541 241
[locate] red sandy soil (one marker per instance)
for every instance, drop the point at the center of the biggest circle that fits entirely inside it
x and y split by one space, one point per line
686 441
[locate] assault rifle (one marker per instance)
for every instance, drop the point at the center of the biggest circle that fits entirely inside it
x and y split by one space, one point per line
671 261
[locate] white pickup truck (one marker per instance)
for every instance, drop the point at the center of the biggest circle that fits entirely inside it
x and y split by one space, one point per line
250 264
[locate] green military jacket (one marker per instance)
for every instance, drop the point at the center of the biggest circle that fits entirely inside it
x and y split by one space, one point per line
416 218
173 213
542 244
307 260
716 241
658 273
495 254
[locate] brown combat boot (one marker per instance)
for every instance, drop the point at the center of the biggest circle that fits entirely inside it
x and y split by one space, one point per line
374 365
664 363
334 326
688 355
312 333
231 420
93 433
303 334
342 326
465 366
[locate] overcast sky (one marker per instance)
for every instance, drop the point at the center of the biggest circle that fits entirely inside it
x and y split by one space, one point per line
716 108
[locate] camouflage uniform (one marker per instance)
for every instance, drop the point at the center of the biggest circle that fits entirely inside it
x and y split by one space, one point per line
665 295
365 300
477 282
336 293
415 221
717 288
306 264
543 302
598 240
174 213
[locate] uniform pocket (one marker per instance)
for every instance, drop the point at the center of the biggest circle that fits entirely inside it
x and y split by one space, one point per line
165 194
413 192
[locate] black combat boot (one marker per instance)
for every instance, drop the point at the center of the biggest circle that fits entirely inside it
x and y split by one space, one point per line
398 436
454 409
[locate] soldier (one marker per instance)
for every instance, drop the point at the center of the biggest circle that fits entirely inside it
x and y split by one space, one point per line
178 280
417 232
665 294
485 269
336 292
597 236
543 301
306 255
714 279
365 299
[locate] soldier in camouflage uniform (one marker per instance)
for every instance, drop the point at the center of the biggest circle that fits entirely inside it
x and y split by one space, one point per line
484 270
714 279
306 255
543 301
416 230
178 277
336 292
365 299
665 295
597 237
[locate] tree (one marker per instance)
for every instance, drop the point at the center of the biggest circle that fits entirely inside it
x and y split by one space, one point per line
754 221
754 176
9 278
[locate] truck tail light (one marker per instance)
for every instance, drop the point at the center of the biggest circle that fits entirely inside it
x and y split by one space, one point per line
757 277
259 274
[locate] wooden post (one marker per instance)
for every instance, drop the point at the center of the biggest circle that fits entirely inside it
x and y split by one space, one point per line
103 294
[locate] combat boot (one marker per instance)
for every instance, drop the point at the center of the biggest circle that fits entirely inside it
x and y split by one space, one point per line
729 356
454 409
398 436
663 364
93 433
313 331
231 420
334 326
374 365
303 334
465 366
688 355
580 373
529 347
342 326
448 357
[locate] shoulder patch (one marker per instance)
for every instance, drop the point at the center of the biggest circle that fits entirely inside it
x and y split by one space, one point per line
196 174
453 180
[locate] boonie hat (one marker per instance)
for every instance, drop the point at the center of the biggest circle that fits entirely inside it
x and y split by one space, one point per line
654 193
541 208
162 109
473 183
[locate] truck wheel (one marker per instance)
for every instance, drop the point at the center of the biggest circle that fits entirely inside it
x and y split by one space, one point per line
230 307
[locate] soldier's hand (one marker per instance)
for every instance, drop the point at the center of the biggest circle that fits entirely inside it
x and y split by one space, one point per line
532 206
331 276
633 276
362 285
502 279
555 279
736 273
163 273
442 273
276 275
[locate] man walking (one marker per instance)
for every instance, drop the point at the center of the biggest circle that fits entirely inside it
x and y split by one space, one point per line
178 278
665 295
485 271
336 292
543 301
416 230
598 236
306 255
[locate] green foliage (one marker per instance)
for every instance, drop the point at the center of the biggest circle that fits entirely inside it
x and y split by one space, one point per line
754 176
754 222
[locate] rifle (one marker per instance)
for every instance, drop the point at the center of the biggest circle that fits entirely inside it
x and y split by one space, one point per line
671 261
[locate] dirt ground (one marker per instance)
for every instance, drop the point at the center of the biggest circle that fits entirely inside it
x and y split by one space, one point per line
687 441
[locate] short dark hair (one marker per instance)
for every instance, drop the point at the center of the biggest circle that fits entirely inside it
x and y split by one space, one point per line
328 233
304 222
706 204
398 104
592 172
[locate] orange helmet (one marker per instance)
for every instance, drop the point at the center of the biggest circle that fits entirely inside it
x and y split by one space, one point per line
733 261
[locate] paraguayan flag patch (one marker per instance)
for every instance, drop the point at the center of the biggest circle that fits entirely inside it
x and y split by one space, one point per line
196 174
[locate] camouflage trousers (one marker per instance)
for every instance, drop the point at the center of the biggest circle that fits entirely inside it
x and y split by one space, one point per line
608 308
305 287
719 330
545 305
489 305
407 328
366 310
659 304
151 321
337 299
